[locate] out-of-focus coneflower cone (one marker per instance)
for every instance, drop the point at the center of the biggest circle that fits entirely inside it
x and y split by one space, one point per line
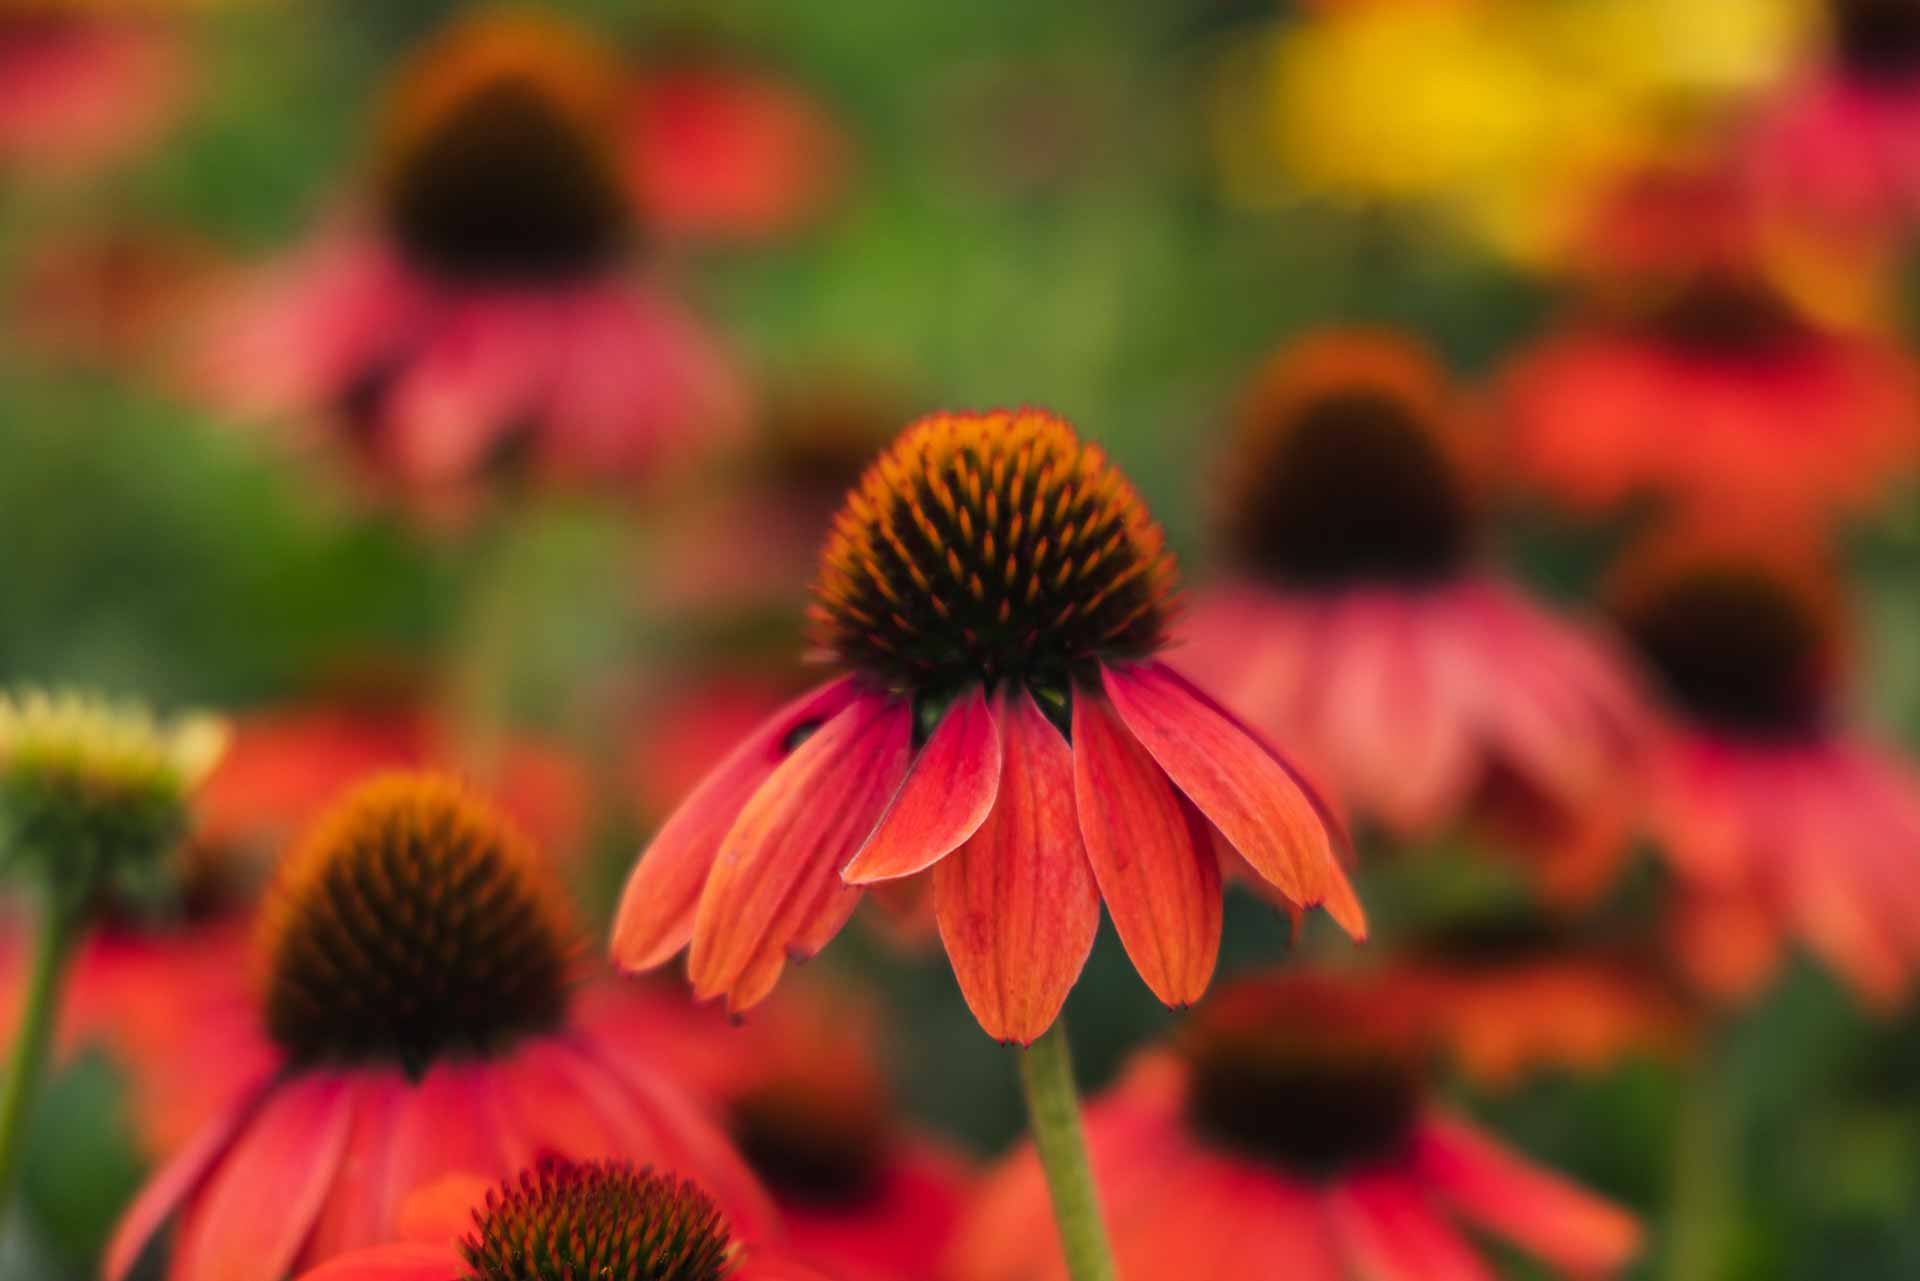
993 586
482 317
1507 998
561 1220
120 297
1780 819
83 87
725 151
748 544
288 764
1290 1122
1836 147
1712 388
1359 622
863 1194
418 971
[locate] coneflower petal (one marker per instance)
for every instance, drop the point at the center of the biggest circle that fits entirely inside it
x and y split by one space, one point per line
789 843
406 1261
451 1121
658 907
358 1208
1259 804
1533 1207
946 796
258 1209
473 383
175 1182
1017 904
1395 1234
1150 853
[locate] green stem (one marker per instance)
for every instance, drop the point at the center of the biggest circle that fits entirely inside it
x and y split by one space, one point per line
1053 1109
1701 1195
33 1038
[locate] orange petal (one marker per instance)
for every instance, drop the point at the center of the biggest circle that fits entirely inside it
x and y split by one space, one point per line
1017 904
658 906
779 866
174 1183
1149 851
410 1261
258 1206
1545 1214
944 800
1259 804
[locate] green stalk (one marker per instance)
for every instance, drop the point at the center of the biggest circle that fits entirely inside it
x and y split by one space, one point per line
1701 1196
1053 1109
33 1038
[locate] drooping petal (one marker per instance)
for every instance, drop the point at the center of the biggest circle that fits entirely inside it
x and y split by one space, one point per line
407 1261
946 797
472 382
1395 1234
1534 1208
1017 904
1259 804
779 866
450 1122
258 1206
175 1182
657 908
1151 855
358 1211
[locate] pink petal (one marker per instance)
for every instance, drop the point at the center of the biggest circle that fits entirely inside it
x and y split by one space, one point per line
1242 787
358 1211
175 1182
1534 1208
405 1262
946 797
1017 904
779 866
1151 855
448 1123
1394 1234
657 909
475 379
258 1206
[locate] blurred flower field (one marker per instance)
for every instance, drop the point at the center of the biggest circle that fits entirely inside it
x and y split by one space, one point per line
461 397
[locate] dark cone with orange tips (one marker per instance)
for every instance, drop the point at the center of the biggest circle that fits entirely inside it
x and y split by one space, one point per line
418 966
996 595
1768 805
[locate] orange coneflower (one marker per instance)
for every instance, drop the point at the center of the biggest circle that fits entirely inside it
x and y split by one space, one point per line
485 313
1360 619
565 1221
1712 385
1763 800
993 586
1291 1122
81 88
418 967
861 1193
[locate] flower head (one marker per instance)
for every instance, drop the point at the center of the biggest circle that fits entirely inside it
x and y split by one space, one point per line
1291 1119
598 1221
418 1001
89 789
414 921
1359 622
995 592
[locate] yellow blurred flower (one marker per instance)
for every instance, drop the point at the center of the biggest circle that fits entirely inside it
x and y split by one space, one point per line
1500 115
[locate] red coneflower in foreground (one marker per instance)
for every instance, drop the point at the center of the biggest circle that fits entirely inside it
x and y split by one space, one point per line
487 316
1766 804
1712 386
996 594
564 1221
1289 1127
416 988
1359 621
862 1193
80 88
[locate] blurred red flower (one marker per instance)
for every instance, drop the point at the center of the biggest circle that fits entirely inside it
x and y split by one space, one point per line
81 89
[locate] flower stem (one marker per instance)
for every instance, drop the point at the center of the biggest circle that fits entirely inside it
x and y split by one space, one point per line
1701 1195
1053 1109
27 1063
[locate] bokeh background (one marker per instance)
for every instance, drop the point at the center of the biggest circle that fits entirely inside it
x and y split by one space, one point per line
1111 209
